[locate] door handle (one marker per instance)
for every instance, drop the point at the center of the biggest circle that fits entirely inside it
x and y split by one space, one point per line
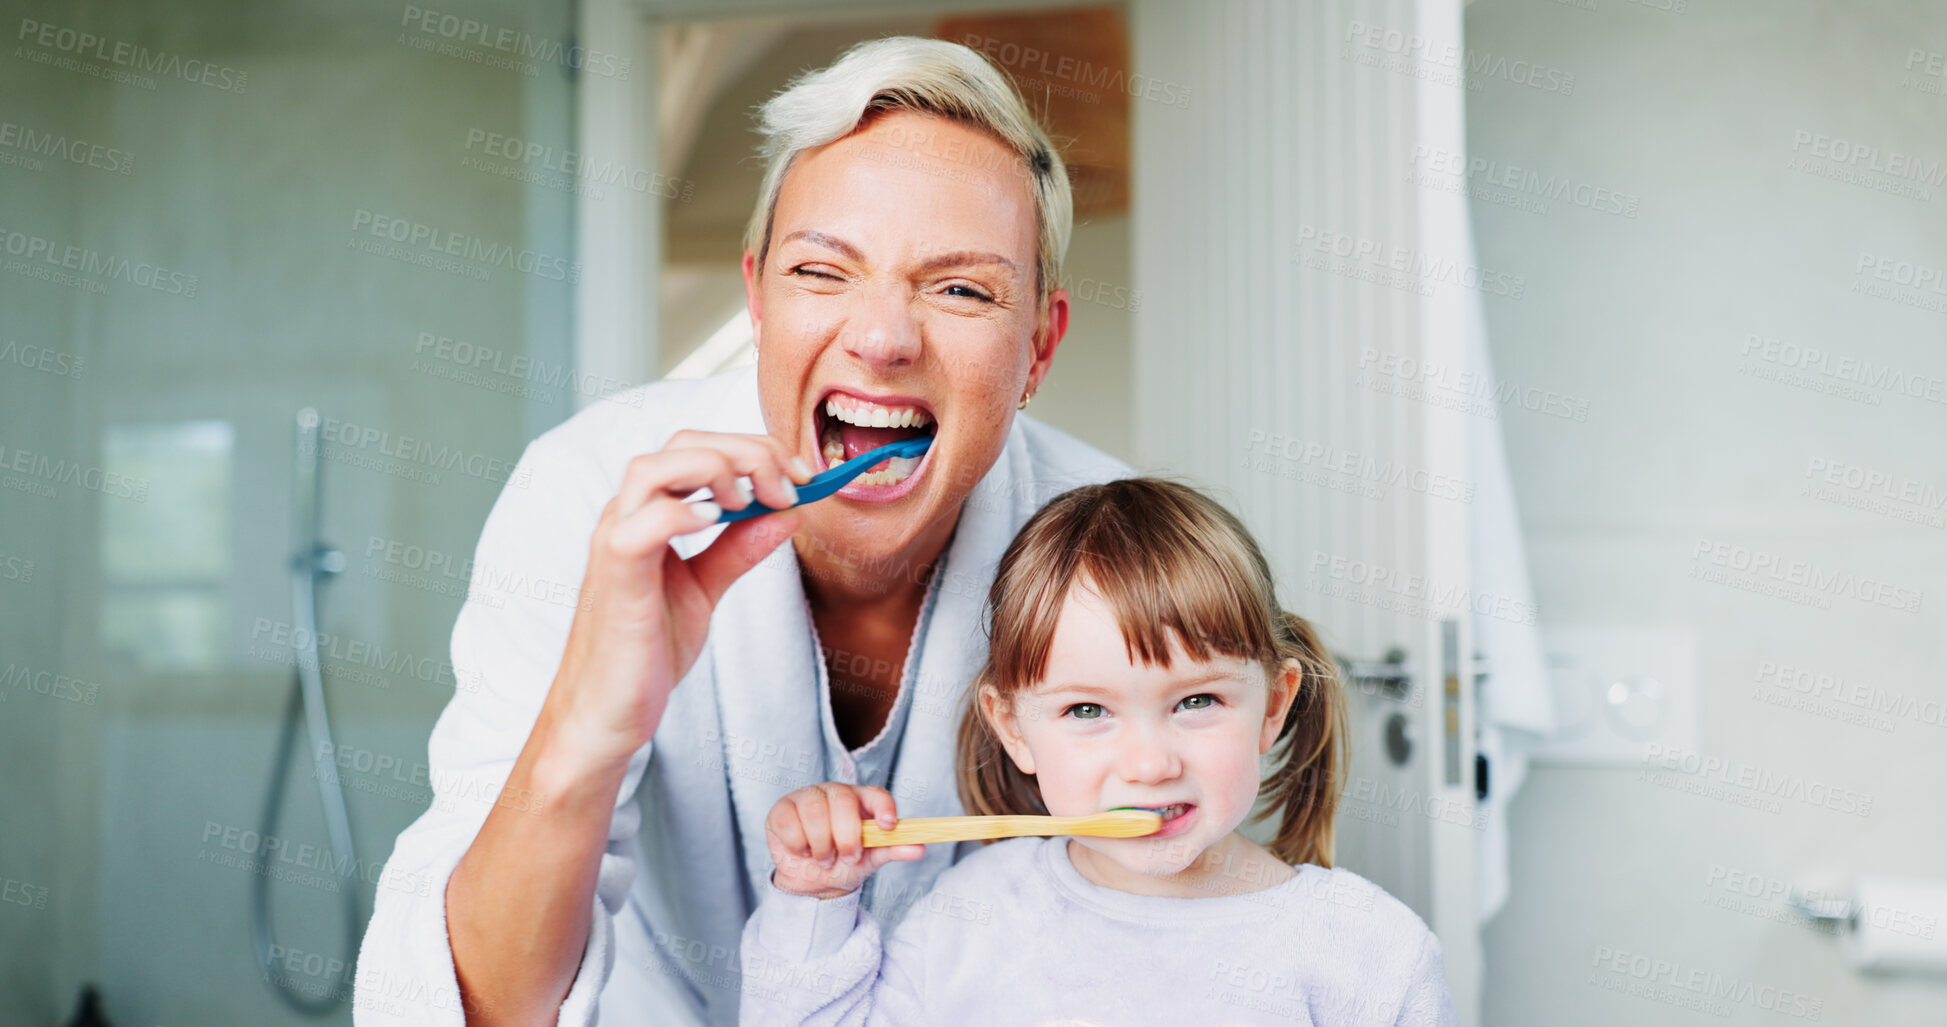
1388 677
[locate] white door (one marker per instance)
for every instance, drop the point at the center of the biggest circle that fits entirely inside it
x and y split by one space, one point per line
1295 282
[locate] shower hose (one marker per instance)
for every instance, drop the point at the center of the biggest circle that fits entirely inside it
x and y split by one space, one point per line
312 563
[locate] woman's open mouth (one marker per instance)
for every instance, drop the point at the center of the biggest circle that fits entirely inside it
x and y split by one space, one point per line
848 425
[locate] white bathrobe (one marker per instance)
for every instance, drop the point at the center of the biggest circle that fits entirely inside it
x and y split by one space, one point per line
686 860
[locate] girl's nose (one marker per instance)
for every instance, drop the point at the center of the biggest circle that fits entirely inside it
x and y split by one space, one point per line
883 333
1149 756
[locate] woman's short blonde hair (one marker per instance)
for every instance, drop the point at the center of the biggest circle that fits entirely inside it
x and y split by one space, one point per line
929 76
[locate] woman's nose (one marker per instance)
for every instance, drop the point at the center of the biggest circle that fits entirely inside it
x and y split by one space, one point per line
883 333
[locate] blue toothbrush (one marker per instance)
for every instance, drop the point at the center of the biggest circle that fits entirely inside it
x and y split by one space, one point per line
831 480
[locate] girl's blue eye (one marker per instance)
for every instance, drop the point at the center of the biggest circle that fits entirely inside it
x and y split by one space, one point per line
1083 705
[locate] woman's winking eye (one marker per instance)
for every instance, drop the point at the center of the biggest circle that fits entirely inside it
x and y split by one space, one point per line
952 290
968 292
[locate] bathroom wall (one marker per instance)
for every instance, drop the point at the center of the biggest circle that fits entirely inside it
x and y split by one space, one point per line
1715 235
38 408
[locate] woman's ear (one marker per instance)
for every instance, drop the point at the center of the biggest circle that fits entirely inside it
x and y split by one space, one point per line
1278 699
753 296
1048 335
1001 717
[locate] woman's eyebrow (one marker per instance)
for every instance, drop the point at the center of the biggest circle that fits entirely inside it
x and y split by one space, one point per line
817 238
956 258
966 258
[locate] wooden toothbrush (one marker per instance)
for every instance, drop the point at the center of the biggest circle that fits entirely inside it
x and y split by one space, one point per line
1122 822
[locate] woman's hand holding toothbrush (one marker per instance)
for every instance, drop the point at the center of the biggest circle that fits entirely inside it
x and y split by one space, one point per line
816 837
518 905
644 611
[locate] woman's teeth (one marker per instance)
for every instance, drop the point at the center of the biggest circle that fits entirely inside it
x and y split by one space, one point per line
897 470
893 470
842 409
872 415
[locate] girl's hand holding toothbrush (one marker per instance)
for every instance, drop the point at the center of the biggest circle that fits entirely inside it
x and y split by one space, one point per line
816 836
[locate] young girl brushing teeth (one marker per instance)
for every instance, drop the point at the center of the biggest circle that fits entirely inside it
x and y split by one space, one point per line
1138 658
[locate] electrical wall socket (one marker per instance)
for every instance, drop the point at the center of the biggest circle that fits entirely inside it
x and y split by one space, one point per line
1618 689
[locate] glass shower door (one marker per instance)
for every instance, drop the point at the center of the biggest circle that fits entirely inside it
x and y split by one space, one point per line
211 218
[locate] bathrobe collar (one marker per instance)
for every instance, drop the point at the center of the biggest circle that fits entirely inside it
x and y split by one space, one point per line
767 670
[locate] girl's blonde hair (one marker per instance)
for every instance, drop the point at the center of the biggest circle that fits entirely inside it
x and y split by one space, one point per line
1170 563
928 76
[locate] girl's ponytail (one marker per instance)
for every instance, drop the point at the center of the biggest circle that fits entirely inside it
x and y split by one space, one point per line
1311 751
989 782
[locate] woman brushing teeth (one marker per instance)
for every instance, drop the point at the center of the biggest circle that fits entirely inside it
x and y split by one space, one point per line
900 271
